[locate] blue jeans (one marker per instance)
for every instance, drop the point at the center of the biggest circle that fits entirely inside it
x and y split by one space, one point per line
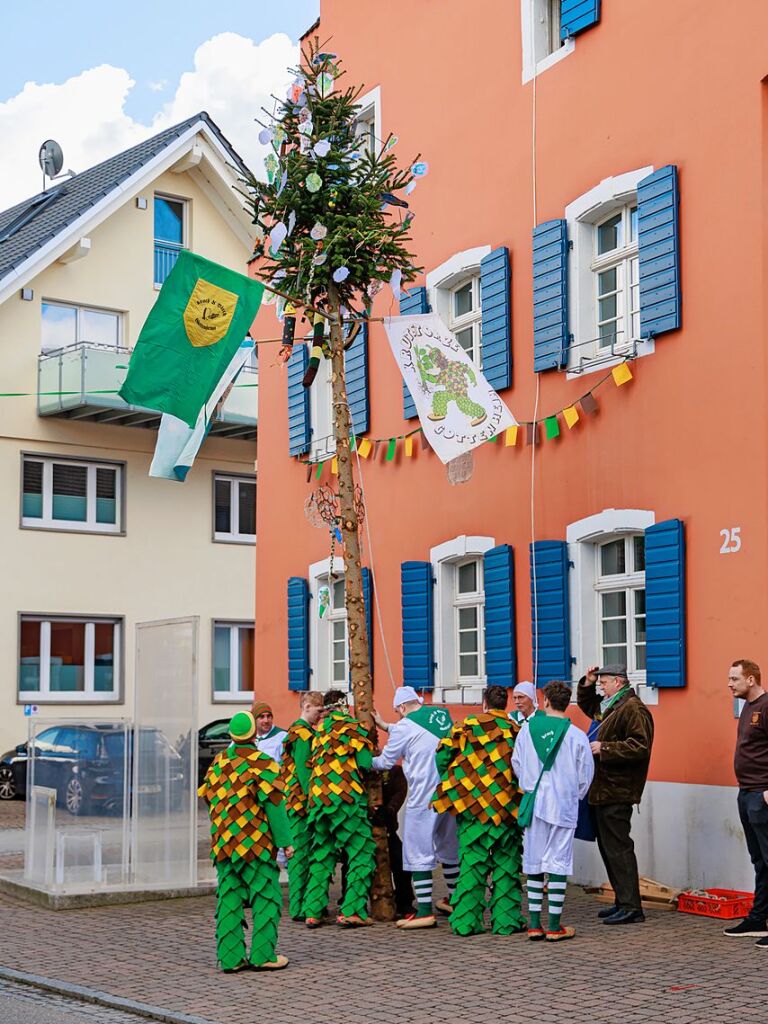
753 811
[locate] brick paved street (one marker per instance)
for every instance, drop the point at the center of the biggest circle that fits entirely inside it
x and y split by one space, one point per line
675 968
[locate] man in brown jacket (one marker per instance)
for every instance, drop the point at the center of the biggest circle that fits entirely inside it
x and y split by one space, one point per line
622 752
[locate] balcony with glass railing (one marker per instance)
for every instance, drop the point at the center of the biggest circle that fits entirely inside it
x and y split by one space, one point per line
81 382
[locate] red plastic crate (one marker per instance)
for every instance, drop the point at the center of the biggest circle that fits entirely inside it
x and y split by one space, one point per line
732 904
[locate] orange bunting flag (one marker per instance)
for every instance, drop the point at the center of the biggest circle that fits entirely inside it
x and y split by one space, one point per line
621 374
335 466
571 416
408 447
510 437
364 448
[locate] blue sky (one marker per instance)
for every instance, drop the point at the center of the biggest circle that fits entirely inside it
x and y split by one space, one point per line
154 40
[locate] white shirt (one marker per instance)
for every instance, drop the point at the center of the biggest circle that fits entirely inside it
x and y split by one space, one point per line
416 747
272 743
566 782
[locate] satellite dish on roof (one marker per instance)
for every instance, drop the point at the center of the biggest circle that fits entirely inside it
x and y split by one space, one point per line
51 159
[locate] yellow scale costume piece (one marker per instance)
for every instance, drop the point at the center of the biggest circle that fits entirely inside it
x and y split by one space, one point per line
295 797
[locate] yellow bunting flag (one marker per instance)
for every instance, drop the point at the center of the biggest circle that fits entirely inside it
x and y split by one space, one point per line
335 466
364 448
621 374
510 437
571 416
408 447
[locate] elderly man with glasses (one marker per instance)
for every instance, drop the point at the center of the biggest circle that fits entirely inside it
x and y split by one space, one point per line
622 751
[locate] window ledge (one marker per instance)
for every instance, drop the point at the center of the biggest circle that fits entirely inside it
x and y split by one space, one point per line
220 538
245 697
454 694
68 698
577 368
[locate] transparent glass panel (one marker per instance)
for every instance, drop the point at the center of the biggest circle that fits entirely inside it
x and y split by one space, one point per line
609 234
463 300
169 221
633 224
468 666
638 549
614 605
466 339
247 507
554 12
59 327
100 328
615 655
222 499
467 618
29 656
221 667
106 495
40 836
104 656
468 642
67 662
338 595
640 657
467 576
613 558
164 813
32 506
247 657
70 492
614 631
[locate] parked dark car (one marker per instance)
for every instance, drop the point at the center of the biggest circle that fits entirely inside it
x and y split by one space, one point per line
86 765
210 740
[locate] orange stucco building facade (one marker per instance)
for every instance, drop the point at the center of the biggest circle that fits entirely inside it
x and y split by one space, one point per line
522 128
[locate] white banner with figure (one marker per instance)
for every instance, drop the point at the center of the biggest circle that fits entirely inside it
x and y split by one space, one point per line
457 407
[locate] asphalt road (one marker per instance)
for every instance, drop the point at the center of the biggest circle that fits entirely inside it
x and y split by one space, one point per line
22 1004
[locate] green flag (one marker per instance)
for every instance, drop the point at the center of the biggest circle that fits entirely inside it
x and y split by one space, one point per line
201 316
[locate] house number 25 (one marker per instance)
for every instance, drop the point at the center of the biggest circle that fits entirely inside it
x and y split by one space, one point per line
731 541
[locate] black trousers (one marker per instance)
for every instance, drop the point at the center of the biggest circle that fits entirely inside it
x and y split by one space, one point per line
753 811
614 841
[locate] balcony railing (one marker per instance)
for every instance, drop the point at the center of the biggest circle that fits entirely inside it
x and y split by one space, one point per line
81 382
166 254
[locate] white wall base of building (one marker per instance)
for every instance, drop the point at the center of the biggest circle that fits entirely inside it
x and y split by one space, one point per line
685 836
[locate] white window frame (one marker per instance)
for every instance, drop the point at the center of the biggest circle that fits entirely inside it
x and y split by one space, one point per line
446 278
89 696
235 694
322 444
472 320
370 113
445 559
626 583
320 633
79 339
584 538
47 522
538 55
624 260
185 203
234 536
583 215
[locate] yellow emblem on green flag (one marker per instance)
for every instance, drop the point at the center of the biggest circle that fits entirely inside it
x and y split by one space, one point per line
202 314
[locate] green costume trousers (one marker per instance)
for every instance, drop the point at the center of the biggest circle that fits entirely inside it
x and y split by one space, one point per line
346 828
441 399
256 884
298 865
488 853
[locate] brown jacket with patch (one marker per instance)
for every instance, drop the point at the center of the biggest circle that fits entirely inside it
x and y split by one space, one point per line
626 735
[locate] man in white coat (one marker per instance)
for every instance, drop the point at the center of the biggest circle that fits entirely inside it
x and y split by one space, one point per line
554 766
428 837
269 738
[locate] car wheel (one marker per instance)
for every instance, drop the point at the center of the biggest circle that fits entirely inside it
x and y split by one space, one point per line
7 784
74 797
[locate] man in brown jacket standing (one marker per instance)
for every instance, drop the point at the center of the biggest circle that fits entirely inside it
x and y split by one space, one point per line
622 752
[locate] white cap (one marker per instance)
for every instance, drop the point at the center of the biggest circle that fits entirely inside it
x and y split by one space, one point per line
404 695
529 690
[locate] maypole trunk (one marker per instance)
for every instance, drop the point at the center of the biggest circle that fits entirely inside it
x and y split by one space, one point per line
382 900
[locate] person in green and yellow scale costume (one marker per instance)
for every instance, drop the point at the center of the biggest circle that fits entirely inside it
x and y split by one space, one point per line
478 787
248 824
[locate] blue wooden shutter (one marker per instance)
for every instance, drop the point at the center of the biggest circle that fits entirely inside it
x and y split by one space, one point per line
550 295
665 603
500 646
356 372
418 639
658 244
298 633
495 303
576 15
550 615
414 301
298 402
368 603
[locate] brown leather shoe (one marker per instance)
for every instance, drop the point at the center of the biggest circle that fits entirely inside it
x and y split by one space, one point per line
353 921
566 932
272 965
443 906
417 922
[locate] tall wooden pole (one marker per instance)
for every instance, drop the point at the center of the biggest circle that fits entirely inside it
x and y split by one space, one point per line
382 899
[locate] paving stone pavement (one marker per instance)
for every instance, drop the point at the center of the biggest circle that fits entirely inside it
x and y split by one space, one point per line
675 968
23 1004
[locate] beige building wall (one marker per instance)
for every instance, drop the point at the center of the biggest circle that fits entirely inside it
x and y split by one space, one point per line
166 564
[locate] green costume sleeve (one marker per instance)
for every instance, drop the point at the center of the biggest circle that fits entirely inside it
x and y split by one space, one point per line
277 816
301 751
365 759
443 757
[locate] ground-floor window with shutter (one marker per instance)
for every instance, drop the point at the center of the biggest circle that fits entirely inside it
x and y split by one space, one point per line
233 661
620 592
65 659
234 508
71 494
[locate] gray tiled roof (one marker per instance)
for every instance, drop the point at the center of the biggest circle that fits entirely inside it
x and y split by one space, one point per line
74 196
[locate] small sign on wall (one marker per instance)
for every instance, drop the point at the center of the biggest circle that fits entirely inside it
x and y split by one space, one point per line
30 709
731 541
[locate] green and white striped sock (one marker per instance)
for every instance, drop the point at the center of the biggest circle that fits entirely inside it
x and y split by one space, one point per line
556 894
451 876
535 887
422 886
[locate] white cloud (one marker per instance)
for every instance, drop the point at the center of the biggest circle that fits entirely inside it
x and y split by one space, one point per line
233 78
158 86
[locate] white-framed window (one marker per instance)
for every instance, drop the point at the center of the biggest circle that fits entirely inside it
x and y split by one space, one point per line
328 638
64 324
540 30
234 508
607 593
170 231
603 270
66 659
459 619
368 129
71 494
233 661
466 317
322 438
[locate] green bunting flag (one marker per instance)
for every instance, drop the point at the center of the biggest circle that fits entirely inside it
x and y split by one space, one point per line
551 427
201 316
391 449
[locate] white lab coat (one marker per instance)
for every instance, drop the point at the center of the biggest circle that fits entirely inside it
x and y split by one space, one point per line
272 743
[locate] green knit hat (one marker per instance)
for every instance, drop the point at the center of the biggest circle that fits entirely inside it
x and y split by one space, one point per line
242 727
